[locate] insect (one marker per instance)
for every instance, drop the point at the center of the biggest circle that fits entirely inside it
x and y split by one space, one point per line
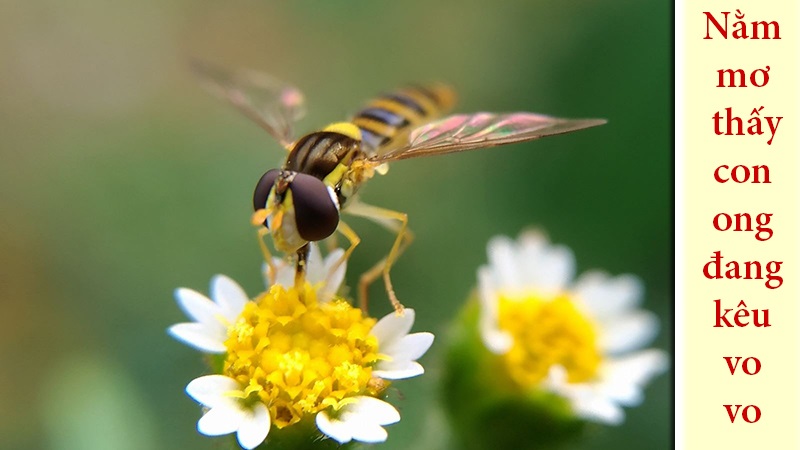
302 201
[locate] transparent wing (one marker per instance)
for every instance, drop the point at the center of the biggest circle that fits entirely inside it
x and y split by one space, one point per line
273 105
462 132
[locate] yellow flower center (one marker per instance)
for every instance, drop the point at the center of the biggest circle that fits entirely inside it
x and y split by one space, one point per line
298 356
547 332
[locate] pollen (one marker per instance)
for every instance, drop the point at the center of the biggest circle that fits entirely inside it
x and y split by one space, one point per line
547 333
299 356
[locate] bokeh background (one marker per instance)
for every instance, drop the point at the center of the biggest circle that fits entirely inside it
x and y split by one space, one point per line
121 179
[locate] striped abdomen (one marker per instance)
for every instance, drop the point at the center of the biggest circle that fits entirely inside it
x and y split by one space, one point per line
388 119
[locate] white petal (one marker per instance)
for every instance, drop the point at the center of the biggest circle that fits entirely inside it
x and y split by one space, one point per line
496 340
335 429
587 401
393 326
220 420
284 275
533 241
557 376
625 394
315 270
605 296
618 386
598 409
629 332
334 277
266 274
638 368
197 306
487 292
550 271
374 410
210 390
544 266
360 420
368 432
255 427
228 295
501 251
391 370
207 338
408 348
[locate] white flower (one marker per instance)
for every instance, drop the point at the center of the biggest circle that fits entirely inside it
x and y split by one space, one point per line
260 387
594 320
212 318
321 273
400 349
227 412
361 419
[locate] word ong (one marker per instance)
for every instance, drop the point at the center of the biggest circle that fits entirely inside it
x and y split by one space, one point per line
743 222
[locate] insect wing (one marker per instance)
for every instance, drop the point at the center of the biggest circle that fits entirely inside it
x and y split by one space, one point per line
462 132
273 105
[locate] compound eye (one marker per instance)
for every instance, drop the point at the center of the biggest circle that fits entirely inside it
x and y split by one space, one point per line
315 208
263 188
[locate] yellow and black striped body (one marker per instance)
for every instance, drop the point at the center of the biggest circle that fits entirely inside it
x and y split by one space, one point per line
329 155
387 120
320 153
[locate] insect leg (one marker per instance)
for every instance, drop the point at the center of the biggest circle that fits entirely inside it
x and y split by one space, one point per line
272 271
300 268
394 221
351 236
332 243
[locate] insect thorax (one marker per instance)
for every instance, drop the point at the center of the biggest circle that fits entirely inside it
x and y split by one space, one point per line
328 155
319 153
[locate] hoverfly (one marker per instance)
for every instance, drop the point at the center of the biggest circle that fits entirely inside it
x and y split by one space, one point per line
301 202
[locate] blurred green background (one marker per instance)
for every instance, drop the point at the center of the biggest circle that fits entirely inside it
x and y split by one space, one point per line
121 179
